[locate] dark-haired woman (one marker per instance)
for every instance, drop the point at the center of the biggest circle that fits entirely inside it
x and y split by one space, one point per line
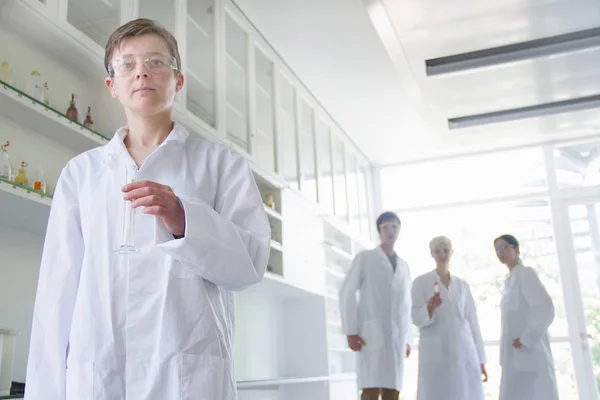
527 312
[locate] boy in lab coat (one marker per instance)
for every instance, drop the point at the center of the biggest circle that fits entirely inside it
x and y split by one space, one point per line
157 324
378 327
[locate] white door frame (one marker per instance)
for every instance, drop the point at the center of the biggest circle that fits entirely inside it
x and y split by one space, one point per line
560 200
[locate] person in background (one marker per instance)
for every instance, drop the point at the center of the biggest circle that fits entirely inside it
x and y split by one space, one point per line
527 312
156 325
378 326
451 350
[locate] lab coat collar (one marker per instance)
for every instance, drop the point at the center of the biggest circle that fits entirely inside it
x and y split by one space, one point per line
384 254
517 267
116 146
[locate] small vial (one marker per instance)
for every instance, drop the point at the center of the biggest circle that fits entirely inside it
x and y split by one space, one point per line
436 287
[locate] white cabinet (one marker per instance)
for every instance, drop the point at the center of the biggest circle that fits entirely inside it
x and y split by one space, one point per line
308 166
339 178
324 165
164 12
263 123
288 148
200 56
236 67
304 258
96 19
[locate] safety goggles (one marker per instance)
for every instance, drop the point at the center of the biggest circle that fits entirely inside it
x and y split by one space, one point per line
155 63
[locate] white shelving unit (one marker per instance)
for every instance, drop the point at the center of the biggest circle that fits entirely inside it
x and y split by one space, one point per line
23 209
239 93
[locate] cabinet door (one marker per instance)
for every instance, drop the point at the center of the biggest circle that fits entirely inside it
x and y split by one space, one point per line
304 255
352 188
287 132
200 60
325 181
263 149
308 169
364 192
236 65
162 12
96 19
339 178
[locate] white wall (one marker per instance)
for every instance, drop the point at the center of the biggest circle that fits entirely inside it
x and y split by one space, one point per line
20 255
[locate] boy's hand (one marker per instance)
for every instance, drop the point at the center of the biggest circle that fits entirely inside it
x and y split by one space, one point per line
158 200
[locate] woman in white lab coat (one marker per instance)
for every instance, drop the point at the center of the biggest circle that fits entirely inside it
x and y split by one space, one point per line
451 350
527 312
158 324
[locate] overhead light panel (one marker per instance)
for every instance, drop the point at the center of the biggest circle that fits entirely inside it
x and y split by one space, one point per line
539 110
568 42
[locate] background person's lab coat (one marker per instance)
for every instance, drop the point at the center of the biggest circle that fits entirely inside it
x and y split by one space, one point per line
157 327
381 317
527 312
451 349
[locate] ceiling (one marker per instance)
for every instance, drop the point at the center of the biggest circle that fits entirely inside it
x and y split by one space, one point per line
364 60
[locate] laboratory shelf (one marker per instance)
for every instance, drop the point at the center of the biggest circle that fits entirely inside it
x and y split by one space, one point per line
272 213
274 383
274 285
30 113
23 208
276 246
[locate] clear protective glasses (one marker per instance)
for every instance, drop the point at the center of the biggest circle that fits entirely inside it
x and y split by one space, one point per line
156 63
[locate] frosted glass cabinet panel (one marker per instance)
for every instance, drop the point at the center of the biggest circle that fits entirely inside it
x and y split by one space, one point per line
352 187
200 61
325 188
287 134
96 19
264 126
363 199
162 11
236 56
308 169
339 178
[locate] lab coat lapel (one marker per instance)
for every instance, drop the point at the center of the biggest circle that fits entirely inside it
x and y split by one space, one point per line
385 260
450 295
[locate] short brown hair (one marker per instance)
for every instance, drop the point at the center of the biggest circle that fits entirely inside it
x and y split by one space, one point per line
139 27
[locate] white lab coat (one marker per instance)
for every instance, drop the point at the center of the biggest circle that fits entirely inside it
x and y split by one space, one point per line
527 312
381 317
451 348
158 325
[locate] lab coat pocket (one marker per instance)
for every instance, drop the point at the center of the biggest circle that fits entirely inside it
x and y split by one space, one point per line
372 335
80 381
525 359
202 377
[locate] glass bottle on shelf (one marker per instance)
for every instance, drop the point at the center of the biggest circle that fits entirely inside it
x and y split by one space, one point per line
269 201
21 178
89 122
6 72
46 94
36 86
40 182
5 166
72 112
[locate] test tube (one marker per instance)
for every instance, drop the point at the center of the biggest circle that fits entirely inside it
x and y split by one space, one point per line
127 245
436 287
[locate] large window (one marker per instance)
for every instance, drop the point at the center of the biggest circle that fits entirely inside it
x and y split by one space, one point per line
469 200
472 230
461 179
578 164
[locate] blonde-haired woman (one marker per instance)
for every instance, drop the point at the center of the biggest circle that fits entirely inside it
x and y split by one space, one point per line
451 351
